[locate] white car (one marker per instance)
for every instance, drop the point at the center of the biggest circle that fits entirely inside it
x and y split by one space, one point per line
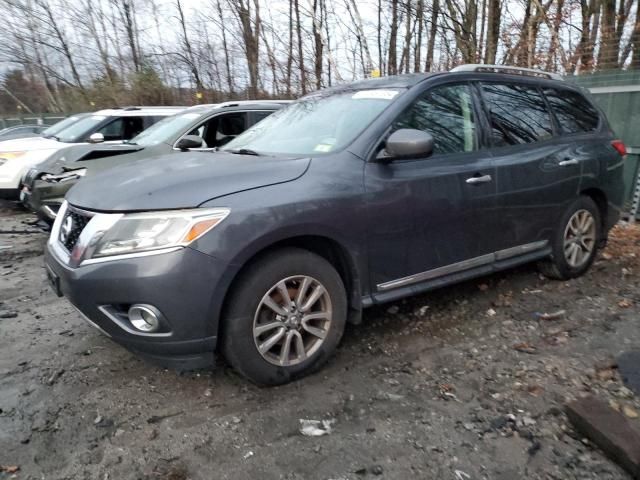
109 126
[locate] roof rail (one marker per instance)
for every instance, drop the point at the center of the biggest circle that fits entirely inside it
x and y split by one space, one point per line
527 72
238 103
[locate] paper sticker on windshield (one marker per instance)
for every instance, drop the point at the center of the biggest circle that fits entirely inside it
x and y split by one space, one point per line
375 94
323 147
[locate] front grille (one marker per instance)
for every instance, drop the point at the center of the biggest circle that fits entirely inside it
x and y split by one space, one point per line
71 227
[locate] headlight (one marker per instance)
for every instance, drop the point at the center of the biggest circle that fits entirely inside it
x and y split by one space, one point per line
139 232
10 155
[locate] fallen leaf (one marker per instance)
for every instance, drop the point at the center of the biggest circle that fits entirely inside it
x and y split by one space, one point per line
605 374
483 287
625 303
535 390
9 468
491 312
525 347
629 411
551 316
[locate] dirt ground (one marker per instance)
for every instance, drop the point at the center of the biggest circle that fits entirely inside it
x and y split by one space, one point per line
464 383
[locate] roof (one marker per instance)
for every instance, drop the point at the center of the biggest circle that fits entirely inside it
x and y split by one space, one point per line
139 111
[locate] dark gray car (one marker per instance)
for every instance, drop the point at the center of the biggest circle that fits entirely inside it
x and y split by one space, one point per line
350 197
199 128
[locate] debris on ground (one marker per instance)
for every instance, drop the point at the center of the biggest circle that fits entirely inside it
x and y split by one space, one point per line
629 368
525 347
551 316
9 468
316 428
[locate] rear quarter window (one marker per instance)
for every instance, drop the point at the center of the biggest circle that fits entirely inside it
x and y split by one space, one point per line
575 113
518 114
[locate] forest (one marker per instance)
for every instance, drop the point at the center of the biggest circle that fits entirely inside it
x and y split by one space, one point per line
73 55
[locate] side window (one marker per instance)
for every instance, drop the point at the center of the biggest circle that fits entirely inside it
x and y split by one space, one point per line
259 116
574 113
447 114
227 127
113 130
132 127
518 114
221 129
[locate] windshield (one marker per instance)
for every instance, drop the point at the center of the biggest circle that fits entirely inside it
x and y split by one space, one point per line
57 127
79 130
315 125
165 129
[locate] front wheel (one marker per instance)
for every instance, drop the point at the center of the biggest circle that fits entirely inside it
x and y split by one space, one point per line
285 317
575 242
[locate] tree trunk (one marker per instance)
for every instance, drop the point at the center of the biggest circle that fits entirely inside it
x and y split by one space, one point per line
435 12
493 31
303 75
225 49
392 62
635 40
317 37
417 52
608 53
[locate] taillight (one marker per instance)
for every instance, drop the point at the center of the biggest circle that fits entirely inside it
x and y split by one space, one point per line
619 146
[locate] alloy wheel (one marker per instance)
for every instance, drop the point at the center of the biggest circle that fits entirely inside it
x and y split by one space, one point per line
292 320
579 238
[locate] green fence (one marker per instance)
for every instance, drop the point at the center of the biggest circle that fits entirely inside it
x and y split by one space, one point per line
31 119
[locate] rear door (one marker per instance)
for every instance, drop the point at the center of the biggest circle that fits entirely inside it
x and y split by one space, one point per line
432 212
536 167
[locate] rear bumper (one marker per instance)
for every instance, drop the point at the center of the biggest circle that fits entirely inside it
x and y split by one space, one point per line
180 284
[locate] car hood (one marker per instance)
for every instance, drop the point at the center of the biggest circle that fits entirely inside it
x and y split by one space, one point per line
181 181
83 156
30 144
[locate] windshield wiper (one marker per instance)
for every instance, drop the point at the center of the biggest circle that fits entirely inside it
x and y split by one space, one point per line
244 151
51 136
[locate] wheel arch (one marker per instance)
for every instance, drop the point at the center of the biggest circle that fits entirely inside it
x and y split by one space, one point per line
329 248
600 199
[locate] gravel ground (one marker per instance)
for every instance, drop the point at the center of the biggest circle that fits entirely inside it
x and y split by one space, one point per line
464 383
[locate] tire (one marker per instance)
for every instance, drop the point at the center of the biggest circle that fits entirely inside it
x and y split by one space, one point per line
248 312
561 265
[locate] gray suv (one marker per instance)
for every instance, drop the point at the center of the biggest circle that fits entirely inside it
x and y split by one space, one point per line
350 197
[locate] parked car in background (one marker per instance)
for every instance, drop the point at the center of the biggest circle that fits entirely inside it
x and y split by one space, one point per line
21 131
353 196
114 125
199 128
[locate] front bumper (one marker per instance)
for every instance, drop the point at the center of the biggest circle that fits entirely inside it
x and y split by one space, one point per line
181 284
45 198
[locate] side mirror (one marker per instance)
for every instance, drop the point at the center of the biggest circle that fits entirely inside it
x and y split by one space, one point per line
96 138
188 142
407 143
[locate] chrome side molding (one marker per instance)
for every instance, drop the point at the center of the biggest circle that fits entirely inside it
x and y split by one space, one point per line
463 265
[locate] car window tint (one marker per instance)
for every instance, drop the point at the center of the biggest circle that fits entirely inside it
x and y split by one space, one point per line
226 128
518 114
132 127
258 116
447 114
573 111
113 130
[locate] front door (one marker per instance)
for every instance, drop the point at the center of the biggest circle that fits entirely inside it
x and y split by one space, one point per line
428 214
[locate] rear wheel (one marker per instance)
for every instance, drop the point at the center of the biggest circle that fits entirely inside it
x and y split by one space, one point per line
285 317
575 242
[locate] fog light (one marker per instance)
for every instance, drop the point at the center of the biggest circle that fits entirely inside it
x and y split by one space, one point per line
144 318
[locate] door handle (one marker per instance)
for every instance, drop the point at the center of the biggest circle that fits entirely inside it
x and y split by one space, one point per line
480 179
566 163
